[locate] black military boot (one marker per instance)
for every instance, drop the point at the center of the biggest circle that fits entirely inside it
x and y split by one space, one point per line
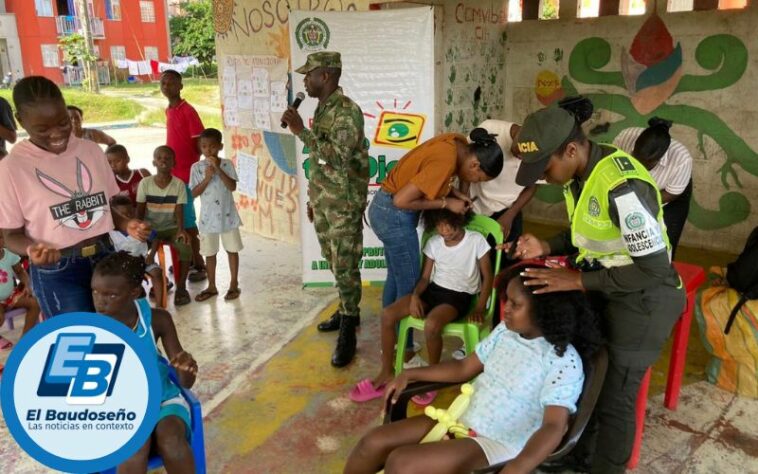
346 341
333 323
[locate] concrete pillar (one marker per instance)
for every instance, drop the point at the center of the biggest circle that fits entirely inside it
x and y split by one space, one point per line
705 5
530 9
609 7
567 9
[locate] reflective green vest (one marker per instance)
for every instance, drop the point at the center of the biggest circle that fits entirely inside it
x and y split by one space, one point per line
592 230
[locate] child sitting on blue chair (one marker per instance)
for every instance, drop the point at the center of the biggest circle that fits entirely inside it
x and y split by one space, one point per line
456 267
116 287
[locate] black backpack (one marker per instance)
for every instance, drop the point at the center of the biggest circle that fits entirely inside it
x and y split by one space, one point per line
742 275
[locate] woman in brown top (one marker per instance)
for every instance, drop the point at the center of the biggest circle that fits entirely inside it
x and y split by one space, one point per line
423 179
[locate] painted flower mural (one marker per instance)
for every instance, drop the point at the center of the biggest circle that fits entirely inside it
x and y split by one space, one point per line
652 67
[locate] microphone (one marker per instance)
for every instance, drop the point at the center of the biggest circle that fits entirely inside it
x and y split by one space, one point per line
298 99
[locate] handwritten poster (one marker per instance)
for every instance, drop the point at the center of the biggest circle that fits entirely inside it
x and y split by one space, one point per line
230 83
278 96
247 174
262 114
245 93
231 112
260 82
254 91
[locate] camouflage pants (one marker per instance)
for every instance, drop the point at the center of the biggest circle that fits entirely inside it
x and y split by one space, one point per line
340 234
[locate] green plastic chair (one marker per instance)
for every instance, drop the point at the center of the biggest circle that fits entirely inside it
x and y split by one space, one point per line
470 333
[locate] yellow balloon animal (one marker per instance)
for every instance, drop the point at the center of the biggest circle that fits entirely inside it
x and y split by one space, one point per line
447 420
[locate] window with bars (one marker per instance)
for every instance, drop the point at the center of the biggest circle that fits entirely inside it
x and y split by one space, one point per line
113 9
44 7
50 55
118 53
147 11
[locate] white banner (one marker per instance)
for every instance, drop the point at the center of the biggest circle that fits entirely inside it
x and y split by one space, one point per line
388 69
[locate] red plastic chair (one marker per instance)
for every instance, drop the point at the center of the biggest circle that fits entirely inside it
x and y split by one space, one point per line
692 277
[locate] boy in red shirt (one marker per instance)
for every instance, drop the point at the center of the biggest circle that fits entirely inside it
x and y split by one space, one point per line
183 127
127 179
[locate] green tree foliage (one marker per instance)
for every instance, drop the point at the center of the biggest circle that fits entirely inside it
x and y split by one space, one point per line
549 10
192 32
75 52
74 49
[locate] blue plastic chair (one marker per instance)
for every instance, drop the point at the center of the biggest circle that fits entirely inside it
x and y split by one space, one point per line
470 333
196 419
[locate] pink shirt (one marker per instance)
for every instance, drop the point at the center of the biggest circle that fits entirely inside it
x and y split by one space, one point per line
182 124
60 200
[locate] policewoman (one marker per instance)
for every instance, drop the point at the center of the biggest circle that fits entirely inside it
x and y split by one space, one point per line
620 245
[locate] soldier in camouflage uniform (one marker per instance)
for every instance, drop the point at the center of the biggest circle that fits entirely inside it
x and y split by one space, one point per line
338 186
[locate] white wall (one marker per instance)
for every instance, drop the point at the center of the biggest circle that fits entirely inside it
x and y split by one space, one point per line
9 31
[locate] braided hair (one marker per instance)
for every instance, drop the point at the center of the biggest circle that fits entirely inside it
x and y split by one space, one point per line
486 149
654 141
33 89
564 317
124 265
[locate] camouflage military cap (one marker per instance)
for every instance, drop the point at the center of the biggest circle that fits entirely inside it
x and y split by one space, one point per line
320 59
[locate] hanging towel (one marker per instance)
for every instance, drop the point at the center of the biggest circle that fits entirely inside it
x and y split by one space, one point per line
133 68
144 68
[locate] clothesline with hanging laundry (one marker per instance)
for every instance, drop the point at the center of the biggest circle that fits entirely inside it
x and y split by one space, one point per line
179 64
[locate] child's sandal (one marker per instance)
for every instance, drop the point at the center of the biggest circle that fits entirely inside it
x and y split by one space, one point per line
232 294
205 295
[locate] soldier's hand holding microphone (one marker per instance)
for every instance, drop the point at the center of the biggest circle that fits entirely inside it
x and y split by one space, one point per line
291 118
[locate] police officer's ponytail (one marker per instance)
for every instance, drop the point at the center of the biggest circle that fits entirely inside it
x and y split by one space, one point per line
653 142
581 108
487 151
578 106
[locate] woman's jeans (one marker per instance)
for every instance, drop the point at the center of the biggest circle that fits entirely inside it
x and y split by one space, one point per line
65 286
396 228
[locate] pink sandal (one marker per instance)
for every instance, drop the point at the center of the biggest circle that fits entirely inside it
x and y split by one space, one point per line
365 391
5 343
424 399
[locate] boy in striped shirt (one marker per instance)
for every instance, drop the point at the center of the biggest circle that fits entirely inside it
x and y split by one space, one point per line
160 201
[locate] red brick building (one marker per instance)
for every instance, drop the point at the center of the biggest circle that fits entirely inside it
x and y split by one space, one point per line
122 29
